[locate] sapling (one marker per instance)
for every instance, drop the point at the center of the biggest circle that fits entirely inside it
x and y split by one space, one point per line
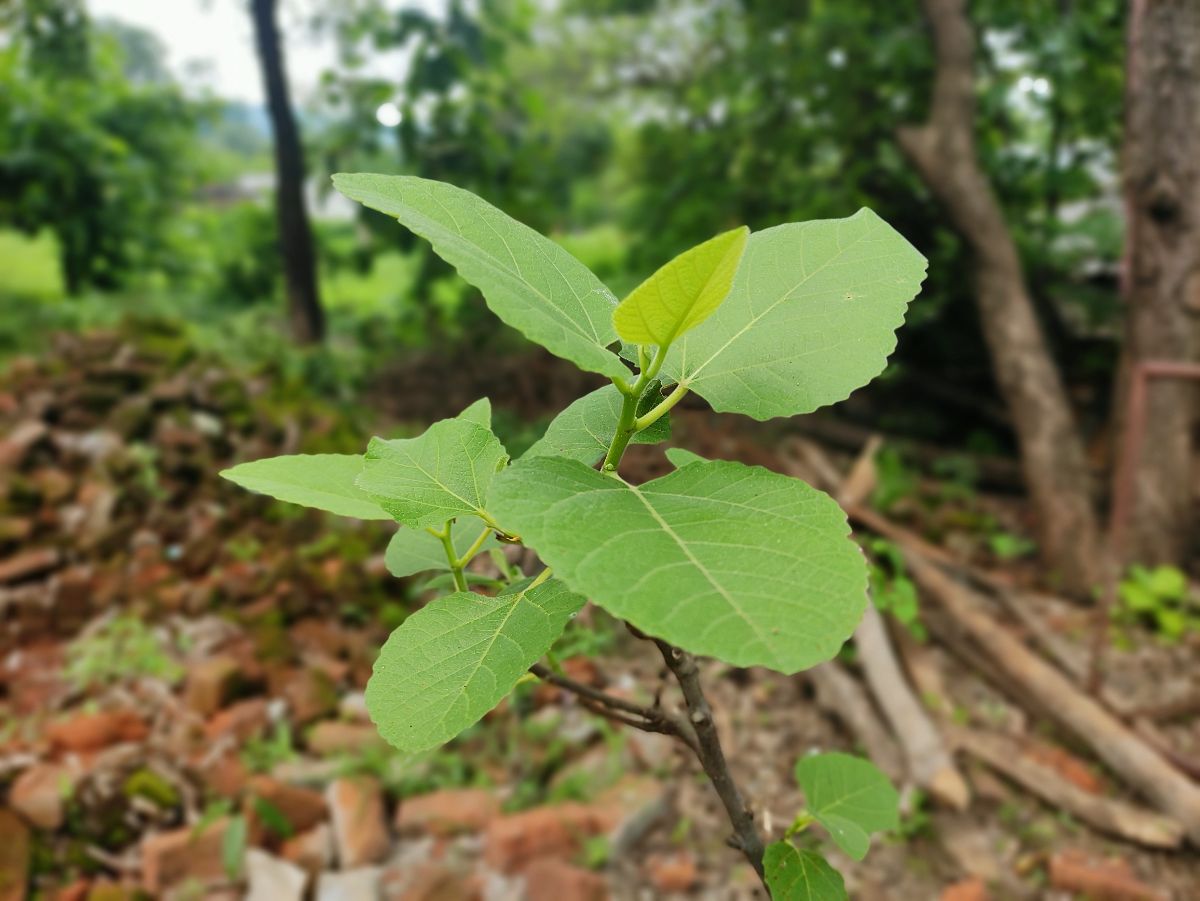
716 559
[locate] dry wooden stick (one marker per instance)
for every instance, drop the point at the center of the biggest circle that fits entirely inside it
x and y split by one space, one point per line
929 763
840 694
1112 817
1124 752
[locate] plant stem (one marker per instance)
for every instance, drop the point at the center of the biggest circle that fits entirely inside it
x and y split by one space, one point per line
698 732
745 833
456 566
628 422
643 422
647 719
474 548
625 431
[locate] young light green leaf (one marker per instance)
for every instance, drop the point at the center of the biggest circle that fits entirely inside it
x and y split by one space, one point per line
454 660
850 797
528 281
680 457
414 551
683 293
584 430
479 413
443 473
324 481
722 559
811 317
795 875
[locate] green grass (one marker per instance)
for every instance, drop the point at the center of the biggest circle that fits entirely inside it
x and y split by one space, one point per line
30 266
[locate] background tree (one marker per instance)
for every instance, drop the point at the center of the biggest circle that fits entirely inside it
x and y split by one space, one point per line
295 235
1162 264
90 148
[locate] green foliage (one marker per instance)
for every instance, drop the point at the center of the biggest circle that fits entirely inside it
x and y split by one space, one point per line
732 561
323 481
123 648
443 473
88 149
456 659
1160 596
812 316
528 281
892 590
586 428
850 797
718 558
413 551
683 293
796 875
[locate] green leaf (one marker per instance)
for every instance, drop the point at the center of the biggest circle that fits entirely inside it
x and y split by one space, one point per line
454 660
680 457
811 317
324 481
479 413
584 430
414 551
795 875
683 293
850 797
233 847
528 281
441 474
723 559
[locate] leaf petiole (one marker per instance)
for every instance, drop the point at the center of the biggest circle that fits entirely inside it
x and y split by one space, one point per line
474 548
643 422
456 566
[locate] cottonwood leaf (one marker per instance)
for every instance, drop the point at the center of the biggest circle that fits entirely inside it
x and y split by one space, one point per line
323 481
443 473
455 659
811 317
585 429
720 558
530 282
850 797
795 875
683 293
414 551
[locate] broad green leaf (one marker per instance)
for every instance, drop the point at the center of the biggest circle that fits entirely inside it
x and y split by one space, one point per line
443 473
681 457
850 797
811 317
585 429
795 875
528 281
454 660
479 413
324 481
723 559
414 551
683 293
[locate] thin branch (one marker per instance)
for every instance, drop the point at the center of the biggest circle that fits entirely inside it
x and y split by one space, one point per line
745 836
647 719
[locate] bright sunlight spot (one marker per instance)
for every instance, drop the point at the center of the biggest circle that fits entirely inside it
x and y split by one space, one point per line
388 115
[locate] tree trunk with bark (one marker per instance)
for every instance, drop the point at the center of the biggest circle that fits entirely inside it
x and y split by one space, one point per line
1162 263
295 236
1054 464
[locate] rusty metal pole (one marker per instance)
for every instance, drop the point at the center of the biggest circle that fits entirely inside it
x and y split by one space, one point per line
1124 492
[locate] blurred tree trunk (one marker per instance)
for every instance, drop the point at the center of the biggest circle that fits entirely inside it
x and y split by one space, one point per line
1162 262
295 235
1052 455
